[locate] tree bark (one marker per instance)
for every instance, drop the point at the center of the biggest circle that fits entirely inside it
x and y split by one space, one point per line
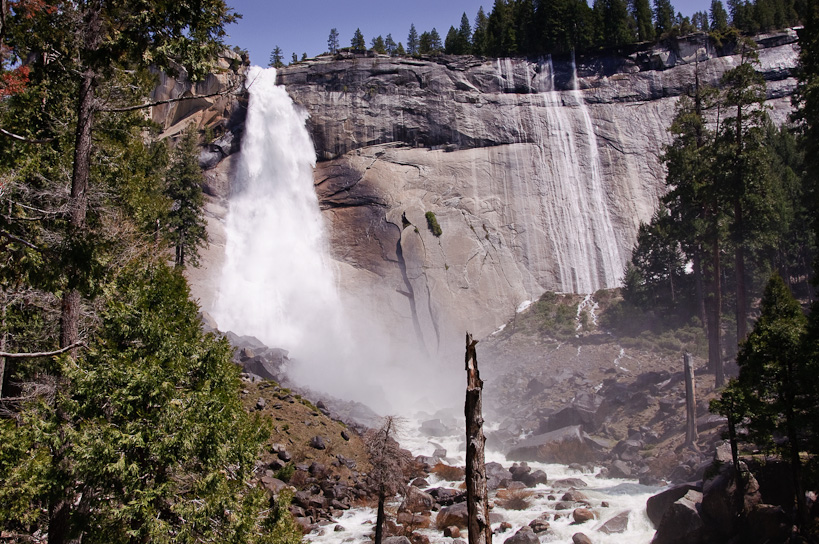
380 517
477 496
739 269
690 401
715 303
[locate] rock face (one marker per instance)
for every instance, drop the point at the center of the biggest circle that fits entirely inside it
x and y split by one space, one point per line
537 173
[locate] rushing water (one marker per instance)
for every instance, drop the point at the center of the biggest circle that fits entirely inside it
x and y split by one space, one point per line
278 283
620 495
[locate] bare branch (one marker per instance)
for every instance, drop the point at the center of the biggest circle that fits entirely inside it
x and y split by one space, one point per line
79 344
168 101
19 138
14 238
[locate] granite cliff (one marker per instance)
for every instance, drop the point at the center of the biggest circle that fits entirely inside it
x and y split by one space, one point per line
537 173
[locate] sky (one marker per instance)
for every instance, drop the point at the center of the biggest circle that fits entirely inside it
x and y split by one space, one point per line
302 26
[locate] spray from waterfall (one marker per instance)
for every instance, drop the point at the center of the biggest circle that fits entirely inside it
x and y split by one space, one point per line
278 282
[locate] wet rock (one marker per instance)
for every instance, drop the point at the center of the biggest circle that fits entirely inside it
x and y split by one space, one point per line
566 445
434 427
620 469
396 540
582 515
616 524
525 535
540 524
446 496
496 475
569 482
419 482
452 532
535 477
339 529
417 501
682 522
580 538
414 520
574 496
452 515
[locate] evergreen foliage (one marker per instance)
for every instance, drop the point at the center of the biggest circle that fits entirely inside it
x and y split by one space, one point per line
332 41
186 219
412 41
358 43
276 58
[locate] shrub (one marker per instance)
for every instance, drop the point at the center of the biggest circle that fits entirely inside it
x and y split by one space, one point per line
432 223
448 473
514 499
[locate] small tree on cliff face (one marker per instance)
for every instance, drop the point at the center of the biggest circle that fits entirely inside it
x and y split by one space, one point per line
388 462
186 221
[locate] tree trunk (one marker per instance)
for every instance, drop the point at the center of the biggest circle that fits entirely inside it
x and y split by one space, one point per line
715 303
690 402
477 496
698 287
739 269
78 203
380 517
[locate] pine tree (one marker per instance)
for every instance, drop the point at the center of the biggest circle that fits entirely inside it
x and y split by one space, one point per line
294 58
641 11
663 18
357 43
412 41
775 378
719 17
465 36
186 221
378 45
399 51
389 45
332 41
479 36
435 45
451 42
276 58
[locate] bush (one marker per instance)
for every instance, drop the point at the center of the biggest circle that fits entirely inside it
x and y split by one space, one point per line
514 499
432 223
448 473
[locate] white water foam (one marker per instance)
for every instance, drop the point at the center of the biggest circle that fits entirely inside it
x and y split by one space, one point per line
278 282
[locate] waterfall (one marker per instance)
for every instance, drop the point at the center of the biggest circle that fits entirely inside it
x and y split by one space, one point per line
581 229
278 282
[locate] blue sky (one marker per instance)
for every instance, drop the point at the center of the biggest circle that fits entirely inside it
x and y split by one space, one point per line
302 26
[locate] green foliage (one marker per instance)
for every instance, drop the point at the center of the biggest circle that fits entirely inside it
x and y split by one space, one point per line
641 11
150 424
276 58
332 41
358 43
186 221
432 223
412 41
286 472
378 45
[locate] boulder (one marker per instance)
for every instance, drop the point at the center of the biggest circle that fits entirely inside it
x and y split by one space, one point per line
657 504
583 411
452 515
616 524
566 445
496 475
446 496
396 540
682 522
525 535
580 538
767 523
564 483
415 521
416 501
540 524
435 427
720 505
318 443
452 532
620 469
574 495
582 515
